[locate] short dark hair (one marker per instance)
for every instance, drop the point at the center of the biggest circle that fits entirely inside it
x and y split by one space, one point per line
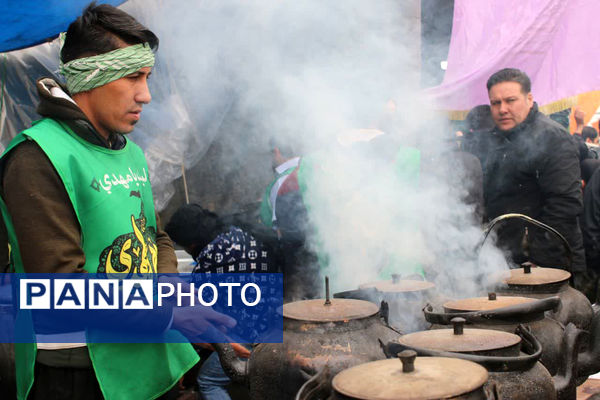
192 225
510 75
480 118
589 132
96 32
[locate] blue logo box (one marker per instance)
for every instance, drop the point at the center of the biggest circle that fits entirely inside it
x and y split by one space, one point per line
148 308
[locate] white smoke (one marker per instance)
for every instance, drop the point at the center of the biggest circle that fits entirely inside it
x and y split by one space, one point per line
315 70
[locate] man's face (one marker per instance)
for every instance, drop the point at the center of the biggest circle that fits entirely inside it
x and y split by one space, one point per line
509 105
116 106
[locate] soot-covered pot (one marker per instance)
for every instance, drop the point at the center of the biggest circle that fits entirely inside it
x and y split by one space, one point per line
512 360
545 282
540 283
406 298
505 313
410 378
336 333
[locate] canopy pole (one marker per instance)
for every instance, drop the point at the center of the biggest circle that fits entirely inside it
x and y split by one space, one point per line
185 188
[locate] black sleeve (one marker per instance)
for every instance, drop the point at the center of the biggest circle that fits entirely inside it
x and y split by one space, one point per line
292 217
559 179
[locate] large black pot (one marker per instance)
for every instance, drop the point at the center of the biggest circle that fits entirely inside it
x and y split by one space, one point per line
547 282
411 377
530 312
515 372
337 334
406 298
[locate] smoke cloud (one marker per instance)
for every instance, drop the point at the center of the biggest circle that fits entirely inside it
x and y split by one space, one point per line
326 74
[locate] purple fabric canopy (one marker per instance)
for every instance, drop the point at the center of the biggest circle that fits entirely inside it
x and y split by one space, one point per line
556 42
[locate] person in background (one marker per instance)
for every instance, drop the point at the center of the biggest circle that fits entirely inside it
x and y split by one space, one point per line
589 134
477 122
62 216
222 245
282 207
561 118
283 210
579 116
532 168
590 226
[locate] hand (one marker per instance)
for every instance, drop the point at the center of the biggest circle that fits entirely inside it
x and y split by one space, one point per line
579 116
201 324
240 350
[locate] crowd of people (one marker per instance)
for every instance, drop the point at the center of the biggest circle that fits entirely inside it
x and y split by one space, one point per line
516 159
59 217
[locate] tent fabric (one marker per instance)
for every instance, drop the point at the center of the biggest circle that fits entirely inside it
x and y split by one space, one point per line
29 23
553 41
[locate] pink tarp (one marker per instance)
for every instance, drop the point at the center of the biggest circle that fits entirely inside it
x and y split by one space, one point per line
556 42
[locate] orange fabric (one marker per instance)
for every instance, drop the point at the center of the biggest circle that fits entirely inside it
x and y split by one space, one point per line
589 103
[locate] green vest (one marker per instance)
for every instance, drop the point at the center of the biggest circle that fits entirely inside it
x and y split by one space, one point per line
112 198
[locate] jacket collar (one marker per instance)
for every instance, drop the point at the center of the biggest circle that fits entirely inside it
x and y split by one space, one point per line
55 102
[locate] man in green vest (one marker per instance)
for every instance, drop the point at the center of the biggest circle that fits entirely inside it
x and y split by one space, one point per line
76 197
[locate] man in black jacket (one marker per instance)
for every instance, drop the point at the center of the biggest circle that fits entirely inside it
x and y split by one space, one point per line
531 167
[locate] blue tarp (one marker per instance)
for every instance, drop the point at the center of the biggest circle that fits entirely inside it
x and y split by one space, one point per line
25 23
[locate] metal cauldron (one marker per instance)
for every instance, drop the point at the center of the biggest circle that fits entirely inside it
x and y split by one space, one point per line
538 282
505 313
511 359
406 298
337 333
411 377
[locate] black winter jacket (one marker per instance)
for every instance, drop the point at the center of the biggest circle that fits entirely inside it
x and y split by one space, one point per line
533 169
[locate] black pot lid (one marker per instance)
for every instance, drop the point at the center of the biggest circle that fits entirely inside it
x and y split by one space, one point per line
535 276
432 378
338 310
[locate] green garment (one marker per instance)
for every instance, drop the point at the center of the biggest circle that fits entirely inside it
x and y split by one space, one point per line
87 73
112 198
408 170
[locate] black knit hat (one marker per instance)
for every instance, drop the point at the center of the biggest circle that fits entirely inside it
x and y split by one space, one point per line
479 118
192 225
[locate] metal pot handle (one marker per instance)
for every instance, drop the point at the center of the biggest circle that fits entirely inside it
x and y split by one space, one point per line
565 380
368 294
534 222
505 314
316 388
235 368
384 316
491 391
491 363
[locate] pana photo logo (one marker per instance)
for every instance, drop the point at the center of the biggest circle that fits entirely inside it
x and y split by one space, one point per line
137 294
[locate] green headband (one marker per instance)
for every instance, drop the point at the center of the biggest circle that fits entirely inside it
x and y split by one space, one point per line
91 72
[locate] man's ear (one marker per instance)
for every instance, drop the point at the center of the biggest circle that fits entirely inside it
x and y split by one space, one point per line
530 99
